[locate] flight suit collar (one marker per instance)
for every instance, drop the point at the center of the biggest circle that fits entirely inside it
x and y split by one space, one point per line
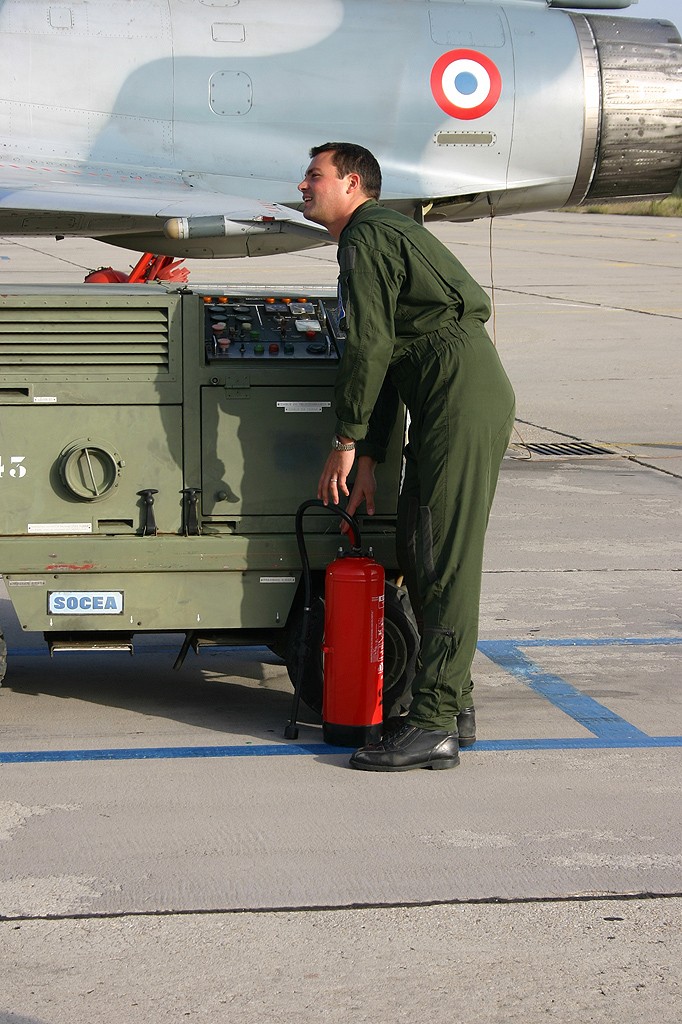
357 212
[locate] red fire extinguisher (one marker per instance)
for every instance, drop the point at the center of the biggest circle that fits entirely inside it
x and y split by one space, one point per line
353 647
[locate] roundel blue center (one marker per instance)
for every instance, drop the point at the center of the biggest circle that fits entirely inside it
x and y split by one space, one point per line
466 83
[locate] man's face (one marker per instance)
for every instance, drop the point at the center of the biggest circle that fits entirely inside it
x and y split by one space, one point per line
327 198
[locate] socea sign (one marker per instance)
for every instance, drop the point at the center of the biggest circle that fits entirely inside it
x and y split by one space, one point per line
85 602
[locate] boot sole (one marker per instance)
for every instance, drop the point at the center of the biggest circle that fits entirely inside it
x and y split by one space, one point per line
438 765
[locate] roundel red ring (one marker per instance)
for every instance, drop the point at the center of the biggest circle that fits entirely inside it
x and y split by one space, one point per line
482 77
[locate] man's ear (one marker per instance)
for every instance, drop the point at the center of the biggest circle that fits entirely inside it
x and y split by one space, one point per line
354 183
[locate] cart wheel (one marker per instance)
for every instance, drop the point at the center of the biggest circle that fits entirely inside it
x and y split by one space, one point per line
3 657
311 682
401 646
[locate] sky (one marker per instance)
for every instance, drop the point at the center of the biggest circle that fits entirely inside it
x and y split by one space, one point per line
670 10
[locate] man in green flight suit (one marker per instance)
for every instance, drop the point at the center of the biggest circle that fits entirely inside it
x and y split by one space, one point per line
414 323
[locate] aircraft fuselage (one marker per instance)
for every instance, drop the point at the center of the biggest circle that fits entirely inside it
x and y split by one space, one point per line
466 105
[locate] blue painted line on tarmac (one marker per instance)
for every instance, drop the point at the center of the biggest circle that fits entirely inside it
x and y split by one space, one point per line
605 724
610 731
319 749
607 641
641 741
164 753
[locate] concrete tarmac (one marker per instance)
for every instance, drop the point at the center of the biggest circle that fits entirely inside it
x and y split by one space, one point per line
166 855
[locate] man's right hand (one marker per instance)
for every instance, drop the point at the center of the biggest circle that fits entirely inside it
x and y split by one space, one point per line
364 489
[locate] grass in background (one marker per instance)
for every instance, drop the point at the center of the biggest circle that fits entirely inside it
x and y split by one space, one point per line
669 207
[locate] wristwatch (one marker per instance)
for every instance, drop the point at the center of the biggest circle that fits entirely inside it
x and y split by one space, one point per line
339 446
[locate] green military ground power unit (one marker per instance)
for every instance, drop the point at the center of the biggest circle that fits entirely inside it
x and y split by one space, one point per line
155 443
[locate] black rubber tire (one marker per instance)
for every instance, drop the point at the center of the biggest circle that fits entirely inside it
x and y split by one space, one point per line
401 647
3 657
311 683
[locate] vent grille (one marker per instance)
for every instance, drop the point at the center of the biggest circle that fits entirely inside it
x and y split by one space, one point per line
565 448
79 340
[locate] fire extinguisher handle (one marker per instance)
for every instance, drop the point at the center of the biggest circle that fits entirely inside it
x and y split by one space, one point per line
356 542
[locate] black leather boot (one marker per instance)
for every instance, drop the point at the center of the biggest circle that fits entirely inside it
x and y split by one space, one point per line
466 727
409 747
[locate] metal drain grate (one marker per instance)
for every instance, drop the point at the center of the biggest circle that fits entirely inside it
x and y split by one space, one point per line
566 448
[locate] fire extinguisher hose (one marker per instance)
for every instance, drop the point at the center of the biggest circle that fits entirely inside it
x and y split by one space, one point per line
291 730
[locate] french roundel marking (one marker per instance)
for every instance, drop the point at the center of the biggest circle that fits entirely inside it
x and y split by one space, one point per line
465 84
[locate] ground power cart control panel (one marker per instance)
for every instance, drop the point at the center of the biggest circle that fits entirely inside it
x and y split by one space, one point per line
271 328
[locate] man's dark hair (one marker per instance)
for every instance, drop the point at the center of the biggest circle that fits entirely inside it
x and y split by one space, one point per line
351 159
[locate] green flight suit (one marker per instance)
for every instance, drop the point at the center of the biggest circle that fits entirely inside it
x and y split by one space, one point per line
414 322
